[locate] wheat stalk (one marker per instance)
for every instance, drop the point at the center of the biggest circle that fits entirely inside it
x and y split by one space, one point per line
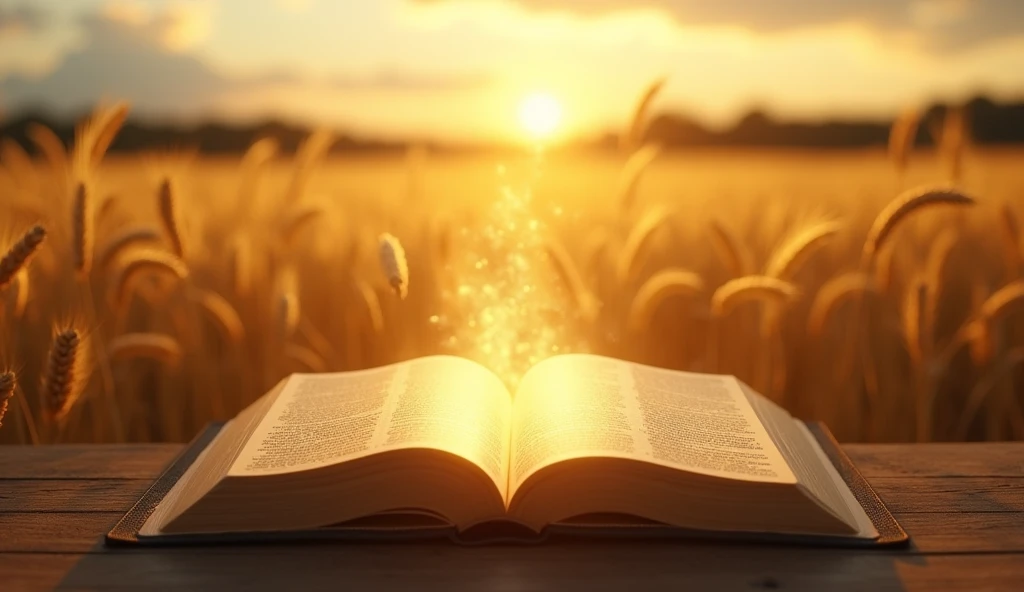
241 264
569 275
953 140
50 145
629 178
223 315
902 136
154 346
832 295
786 261
639 236
1011 240
169 217
142 262
766 289
298 221
897 211
122 242
8 382
18 256
916 330
288 311
82 230
736 256
371 302
935 267
67 371
394 264
310 153
22 286
657 289
638 124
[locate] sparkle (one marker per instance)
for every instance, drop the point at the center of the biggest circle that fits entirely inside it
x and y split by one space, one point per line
503 311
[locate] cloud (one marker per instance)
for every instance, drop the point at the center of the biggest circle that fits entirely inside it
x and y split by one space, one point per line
18 19
934 24
142 58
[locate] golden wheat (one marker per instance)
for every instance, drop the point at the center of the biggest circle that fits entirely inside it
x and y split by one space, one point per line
122 242
169 217
833 294
897 211
902 136
145 262
153 346
67 371
751 288
82 229
915 321
51 147
640 235
394 264
569 276
786 261
1011 241
736 256
661 286
7 384
224 316
629 179
20 253
634 137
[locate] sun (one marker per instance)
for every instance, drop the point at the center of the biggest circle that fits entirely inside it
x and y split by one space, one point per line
540 114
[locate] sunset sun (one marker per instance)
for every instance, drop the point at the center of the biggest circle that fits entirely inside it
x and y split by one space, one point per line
540 115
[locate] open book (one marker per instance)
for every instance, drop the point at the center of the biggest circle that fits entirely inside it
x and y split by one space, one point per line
440 440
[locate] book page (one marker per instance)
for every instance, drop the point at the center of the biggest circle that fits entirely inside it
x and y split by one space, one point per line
439 402
580 405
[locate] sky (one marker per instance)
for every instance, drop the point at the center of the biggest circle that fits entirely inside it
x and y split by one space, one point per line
460 69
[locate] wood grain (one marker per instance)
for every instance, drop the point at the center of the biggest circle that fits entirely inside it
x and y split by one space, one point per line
131 461
962 504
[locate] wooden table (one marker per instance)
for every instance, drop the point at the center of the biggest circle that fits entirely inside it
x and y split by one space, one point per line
962 504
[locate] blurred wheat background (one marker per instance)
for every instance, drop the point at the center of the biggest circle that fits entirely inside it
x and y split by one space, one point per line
144 295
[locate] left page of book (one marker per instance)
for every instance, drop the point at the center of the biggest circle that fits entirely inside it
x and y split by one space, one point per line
439 402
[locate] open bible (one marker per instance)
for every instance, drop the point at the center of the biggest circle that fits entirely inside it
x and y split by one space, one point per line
439 444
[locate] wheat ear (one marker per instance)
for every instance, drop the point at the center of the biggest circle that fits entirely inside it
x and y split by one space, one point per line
7 383
897 211
638 124
572 281
1006 300
902 136
288 311
50 145
657 289
154 346
66 373
18 256
124 241
394 264
146 261
107 126
736 256
1011 240
82 230
752 287
832 295
298 221
787 259
169 217
629 178
639 236
223 315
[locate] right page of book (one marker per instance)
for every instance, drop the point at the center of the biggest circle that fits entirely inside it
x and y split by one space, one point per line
580 405
439 402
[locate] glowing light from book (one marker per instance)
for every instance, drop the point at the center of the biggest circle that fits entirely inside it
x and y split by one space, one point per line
504 308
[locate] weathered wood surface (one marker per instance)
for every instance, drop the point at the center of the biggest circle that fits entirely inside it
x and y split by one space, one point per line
962 504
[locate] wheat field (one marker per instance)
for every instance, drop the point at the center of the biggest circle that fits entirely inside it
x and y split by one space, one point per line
144 295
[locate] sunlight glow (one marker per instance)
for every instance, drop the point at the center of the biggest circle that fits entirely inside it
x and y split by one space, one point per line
540 114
